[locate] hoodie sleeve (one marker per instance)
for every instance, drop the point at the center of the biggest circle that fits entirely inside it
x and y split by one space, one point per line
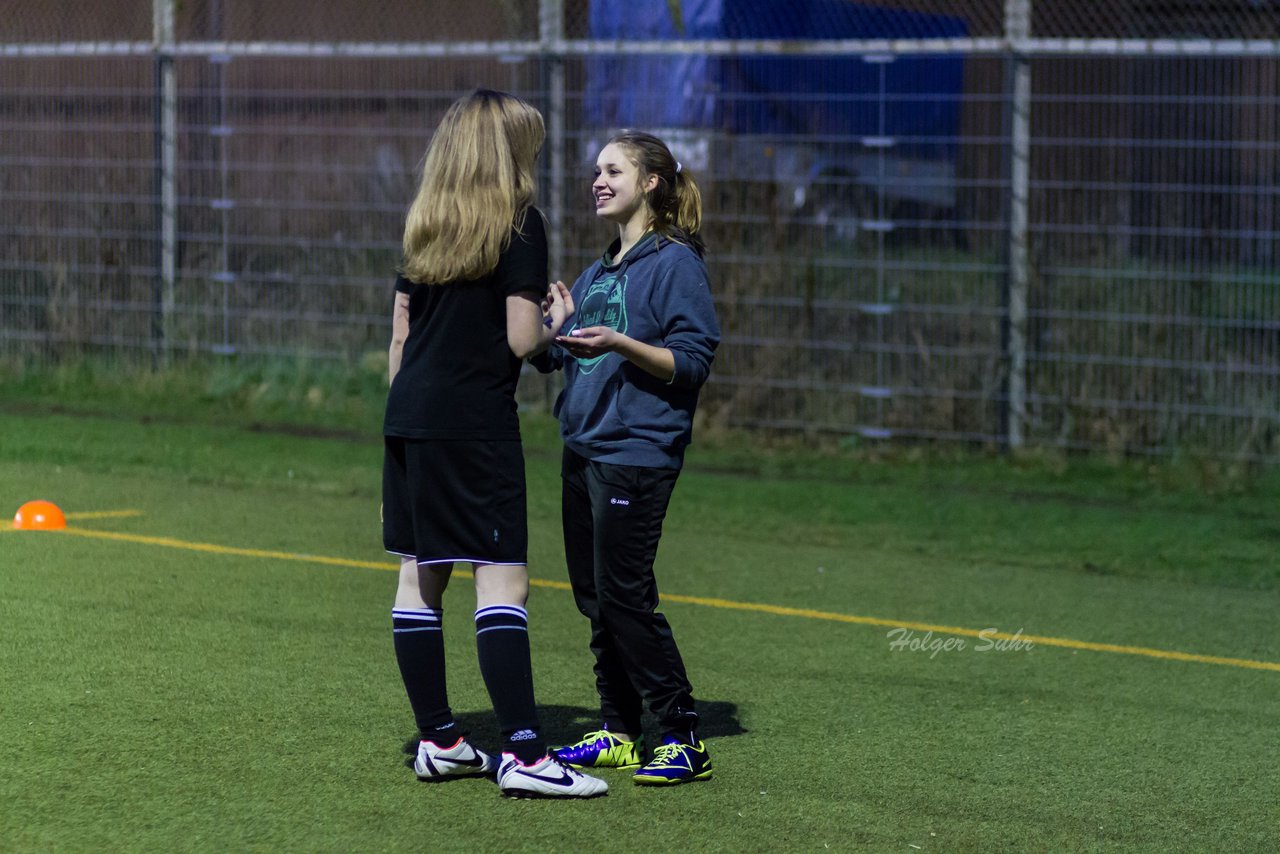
687 314
549 360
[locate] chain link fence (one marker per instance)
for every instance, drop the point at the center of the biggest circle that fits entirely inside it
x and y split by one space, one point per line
1050 224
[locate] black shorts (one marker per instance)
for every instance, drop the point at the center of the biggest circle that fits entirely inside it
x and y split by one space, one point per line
447 501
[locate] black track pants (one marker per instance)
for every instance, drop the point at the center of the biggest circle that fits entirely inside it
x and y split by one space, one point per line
612 519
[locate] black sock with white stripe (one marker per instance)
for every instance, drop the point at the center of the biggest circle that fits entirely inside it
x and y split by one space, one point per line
419 644
502 643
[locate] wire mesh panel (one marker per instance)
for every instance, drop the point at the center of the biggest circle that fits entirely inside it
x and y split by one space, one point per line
77 251
356 21
295 175
1155 305
77 176
1149 19
852 297
855 295
66 21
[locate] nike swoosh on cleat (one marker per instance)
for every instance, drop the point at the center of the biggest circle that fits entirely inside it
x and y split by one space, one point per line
474 762
563 780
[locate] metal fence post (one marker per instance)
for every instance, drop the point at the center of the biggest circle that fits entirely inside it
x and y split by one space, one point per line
1017 28
166 141
551 50
551 37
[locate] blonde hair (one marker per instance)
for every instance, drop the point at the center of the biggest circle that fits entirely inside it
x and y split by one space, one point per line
676 202
477 182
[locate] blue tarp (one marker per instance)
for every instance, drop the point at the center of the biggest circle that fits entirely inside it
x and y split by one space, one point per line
777 95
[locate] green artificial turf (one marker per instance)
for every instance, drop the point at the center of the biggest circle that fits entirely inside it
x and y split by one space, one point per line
159 697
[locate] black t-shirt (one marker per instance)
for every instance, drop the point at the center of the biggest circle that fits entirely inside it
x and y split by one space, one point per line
457 377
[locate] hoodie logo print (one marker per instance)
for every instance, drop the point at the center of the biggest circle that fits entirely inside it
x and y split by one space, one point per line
605 304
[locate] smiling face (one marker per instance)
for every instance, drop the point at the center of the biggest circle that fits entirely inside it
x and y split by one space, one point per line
618 191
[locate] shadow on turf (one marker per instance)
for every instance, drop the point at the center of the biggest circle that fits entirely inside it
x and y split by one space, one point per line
567 724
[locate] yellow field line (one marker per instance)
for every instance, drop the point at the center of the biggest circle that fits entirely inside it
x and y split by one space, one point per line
95 514
102 514
170 543
727 604
985 634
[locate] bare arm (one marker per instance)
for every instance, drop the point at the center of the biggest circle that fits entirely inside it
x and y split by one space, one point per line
531 327
399 332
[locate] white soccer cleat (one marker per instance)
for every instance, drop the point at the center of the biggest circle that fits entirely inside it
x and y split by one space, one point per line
460 760
546 778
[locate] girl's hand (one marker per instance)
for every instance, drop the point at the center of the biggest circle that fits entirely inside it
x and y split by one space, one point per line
594 341
591 342
557 308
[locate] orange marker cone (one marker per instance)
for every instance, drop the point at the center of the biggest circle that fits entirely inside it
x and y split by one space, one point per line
39 516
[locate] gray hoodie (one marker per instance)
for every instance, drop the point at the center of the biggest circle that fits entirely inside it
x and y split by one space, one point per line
610 410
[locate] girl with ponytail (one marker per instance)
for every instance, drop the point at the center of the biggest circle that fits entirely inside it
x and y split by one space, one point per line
635 357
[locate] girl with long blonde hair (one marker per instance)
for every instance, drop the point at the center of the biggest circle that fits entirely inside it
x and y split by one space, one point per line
471 302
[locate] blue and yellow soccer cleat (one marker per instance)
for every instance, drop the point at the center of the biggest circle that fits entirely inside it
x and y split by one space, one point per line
602 749
676 762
